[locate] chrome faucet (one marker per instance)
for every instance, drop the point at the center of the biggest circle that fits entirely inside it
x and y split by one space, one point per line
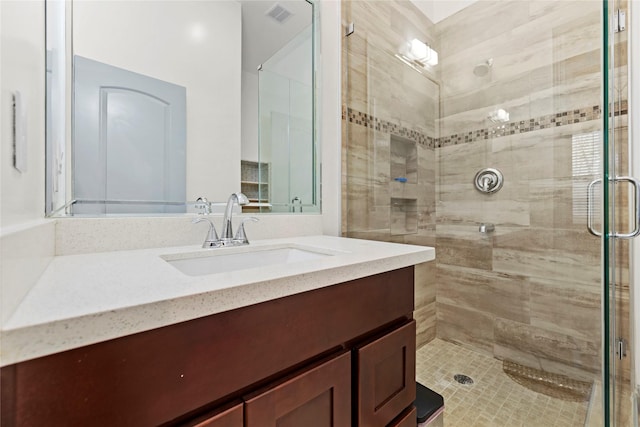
203 205
212 240
227 228
241 235
227 239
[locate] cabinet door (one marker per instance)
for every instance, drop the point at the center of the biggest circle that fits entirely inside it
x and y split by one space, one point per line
319 396
386 376
231 416
408 419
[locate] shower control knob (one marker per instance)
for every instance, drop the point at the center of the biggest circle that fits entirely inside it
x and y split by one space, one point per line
488 180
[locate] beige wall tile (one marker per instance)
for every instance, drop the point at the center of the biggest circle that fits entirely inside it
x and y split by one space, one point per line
500 295
465 326
547 344
566 307
425 324
473 253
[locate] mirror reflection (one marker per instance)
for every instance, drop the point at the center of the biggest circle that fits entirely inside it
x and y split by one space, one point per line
154 104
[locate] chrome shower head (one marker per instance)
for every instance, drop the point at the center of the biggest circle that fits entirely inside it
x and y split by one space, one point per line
482 69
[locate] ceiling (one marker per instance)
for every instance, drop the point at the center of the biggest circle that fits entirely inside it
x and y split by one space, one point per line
437 10
262 36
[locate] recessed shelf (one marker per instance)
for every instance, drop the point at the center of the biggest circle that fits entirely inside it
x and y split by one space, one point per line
254 179
404 216
404 160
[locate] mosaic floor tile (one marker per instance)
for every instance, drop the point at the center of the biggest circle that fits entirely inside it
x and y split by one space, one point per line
493 399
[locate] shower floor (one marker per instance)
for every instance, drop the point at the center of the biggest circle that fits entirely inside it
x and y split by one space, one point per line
494 399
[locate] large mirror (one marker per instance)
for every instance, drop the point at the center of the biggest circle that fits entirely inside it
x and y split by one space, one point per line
153 104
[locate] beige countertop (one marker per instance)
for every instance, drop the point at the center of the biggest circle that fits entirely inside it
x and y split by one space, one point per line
85 299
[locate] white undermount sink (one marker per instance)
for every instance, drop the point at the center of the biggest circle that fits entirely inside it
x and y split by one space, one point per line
221 260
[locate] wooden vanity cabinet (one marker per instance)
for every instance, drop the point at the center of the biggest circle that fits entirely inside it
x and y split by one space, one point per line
318 397
407 419
284 361
386 370
231 415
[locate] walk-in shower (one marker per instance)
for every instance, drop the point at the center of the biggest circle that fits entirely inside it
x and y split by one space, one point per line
536 90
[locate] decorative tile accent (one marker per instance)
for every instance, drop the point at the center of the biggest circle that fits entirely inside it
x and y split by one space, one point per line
505 129
553 385
369 121
533 124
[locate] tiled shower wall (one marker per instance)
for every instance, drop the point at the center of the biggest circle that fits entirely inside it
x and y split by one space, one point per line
530 291
389 132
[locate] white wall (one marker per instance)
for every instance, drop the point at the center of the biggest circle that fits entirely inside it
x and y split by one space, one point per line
294 60
26 239
249 149
437 10
330 127
22 67
179 42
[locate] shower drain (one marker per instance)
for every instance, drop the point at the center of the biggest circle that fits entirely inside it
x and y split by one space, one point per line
463 379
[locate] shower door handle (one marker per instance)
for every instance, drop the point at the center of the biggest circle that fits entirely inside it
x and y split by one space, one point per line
636 207
590 207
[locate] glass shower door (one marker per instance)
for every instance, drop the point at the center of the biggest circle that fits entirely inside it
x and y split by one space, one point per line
621 198
518 88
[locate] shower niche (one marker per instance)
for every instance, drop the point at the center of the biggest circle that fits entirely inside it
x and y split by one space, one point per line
404 216
404 160
403 186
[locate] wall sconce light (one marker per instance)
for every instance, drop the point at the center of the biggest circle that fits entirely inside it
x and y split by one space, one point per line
421 53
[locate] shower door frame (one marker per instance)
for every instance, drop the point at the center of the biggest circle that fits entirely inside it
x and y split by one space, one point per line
613 398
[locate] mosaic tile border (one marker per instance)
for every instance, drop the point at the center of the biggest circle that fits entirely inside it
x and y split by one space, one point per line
369 121
505 129
523 126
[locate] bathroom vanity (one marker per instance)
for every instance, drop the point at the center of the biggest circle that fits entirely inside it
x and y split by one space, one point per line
329 343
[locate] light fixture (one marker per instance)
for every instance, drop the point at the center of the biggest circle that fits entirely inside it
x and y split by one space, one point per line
499 116
418 50
421 53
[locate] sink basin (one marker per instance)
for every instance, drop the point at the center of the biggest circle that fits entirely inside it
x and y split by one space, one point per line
221 260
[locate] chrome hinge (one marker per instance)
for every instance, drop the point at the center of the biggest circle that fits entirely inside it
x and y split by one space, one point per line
619 21
349 29
621 348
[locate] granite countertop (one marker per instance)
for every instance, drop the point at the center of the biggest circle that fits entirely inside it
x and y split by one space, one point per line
85 299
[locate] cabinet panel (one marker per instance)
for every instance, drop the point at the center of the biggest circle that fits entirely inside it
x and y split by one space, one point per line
386 376
408 419
231 416
317 397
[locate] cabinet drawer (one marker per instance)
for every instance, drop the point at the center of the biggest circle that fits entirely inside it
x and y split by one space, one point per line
319 396
386 376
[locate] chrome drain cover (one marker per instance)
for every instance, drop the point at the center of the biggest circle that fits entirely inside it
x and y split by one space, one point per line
463 379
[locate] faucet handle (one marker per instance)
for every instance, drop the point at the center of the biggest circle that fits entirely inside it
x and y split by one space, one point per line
240 234
212 240
204 205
